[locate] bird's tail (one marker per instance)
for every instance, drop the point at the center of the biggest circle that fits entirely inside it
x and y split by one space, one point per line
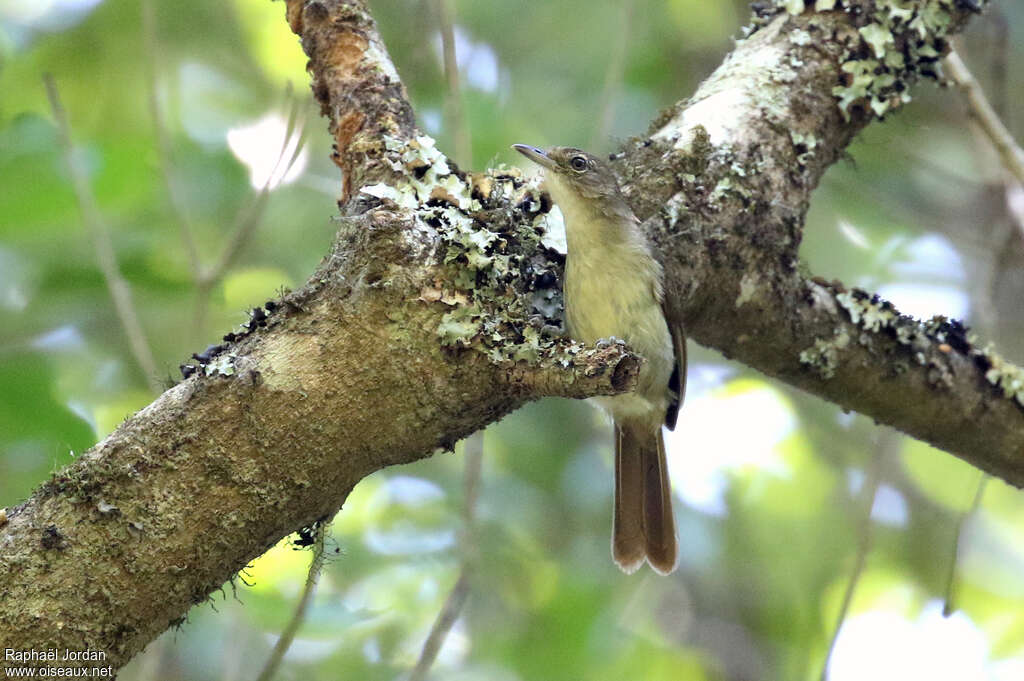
643 525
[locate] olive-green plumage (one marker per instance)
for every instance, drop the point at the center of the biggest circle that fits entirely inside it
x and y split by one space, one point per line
613 288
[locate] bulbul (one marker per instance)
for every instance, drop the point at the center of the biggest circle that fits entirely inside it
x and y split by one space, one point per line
613 289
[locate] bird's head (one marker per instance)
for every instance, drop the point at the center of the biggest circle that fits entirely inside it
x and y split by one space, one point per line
573 175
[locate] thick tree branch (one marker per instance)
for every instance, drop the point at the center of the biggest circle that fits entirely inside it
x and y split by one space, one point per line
725 181
436 312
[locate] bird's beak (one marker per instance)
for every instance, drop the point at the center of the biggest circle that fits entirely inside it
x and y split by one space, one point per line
538 156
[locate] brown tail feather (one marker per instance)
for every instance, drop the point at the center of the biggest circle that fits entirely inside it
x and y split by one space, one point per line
628 543
643 524
660 525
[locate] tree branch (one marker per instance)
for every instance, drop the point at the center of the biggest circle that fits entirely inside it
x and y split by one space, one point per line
725 182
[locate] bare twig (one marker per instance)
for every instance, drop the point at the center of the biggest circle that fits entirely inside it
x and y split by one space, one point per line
1011 154
442 625
613 75
473 450
986 312
453 96
1000 52
288 634
886 442
250 217
174 196
474 453
989 119
948 606
103 246
251 214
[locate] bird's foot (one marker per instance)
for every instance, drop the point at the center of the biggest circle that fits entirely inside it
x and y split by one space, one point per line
603 343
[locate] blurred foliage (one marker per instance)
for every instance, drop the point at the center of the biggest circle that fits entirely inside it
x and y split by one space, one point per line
770 484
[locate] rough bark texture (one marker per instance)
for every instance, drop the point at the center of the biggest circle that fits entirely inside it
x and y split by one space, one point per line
434 314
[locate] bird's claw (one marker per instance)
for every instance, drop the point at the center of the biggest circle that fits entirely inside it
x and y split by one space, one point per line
603 343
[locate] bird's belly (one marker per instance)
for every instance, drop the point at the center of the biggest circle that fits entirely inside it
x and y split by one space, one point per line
626 309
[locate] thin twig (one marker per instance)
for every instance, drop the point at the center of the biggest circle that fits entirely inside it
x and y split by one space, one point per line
174 195
613 75
442 625
473 451
453 96
986 309
1011 154
251 214
288 634
250 217
886 441
948 607
103 246
1000 52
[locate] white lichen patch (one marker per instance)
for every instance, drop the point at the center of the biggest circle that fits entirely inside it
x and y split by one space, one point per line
553 225
222 365
930 344
870 314
718 114
425 175
749 285
800 37
823 356
878 37
1007 377
401 198
822 298
904 38
675 207
441 202
808 142
380 60
497 287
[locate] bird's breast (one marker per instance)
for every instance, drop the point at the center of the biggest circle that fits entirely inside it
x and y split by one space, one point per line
616 294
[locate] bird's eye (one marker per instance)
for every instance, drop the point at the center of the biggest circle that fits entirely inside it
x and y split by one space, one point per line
578 163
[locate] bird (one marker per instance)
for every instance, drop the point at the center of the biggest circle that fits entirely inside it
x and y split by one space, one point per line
613 289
